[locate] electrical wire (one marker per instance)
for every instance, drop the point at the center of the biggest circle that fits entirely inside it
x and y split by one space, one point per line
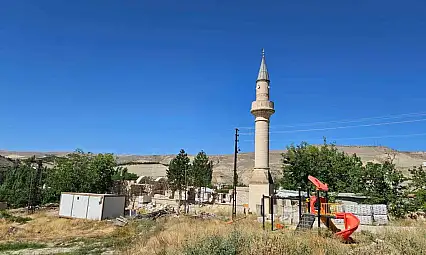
416 114
340 127
364 137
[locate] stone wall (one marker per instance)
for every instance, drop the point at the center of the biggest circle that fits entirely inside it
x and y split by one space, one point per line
242 195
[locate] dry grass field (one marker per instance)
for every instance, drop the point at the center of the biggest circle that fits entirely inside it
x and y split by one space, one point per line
45 233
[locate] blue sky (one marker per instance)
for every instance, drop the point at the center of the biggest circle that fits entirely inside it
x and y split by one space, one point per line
152 77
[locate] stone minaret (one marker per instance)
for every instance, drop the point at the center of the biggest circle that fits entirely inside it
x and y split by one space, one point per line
262 109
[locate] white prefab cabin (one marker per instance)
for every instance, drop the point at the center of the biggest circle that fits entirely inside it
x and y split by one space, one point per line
91 206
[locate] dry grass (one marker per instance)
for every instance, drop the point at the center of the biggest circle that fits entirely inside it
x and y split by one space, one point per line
192 236
46 228
186 235
183 235
409 223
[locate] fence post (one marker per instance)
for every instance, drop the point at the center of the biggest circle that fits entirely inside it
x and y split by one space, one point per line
319 210
271 200
300 203
262 211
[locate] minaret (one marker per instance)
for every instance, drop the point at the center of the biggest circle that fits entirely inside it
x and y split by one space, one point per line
262 109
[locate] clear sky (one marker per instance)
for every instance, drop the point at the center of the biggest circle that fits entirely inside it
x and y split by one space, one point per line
151 77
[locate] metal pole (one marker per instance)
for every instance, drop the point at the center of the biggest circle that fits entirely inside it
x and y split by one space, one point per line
186 189
300 203
271 201
234 202
309 200
327 208
319 210
262 211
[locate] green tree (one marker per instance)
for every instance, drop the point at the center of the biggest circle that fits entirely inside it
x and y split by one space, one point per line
122 174
201 171
5 165
417 187
18 179
80 172
339 170
178 172
383 184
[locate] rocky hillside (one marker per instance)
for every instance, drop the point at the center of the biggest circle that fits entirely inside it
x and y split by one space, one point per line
5 162
156 165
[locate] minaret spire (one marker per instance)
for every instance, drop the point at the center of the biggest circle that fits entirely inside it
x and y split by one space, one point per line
263 71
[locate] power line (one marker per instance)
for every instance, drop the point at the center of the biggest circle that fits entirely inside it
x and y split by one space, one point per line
340 127
363 137
347 120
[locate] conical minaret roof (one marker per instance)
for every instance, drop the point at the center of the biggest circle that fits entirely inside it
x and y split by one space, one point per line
263 71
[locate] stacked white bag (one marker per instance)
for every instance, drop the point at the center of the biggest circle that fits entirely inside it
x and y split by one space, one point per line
365 214
380 214
362 211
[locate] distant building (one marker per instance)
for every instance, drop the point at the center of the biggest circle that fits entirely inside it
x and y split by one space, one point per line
424 164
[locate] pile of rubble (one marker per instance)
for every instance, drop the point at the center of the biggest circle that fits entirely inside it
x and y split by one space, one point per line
155 215
120 221
152 207
205 215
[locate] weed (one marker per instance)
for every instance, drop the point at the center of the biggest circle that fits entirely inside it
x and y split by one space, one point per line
14 246
233 243
9 217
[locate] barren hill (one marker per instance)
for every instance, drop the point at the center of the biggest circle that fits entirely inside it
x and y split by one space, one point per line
156 165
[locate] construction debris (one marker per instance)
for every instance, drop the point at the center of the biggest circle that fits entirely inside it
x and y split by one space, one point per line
120 221
205 216
155 215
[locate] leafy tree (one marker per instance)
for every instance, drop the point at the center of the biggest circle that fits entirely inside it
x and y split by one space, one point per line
17 182
417 187
383 184
5 165
123 174
339 170
201 171
177 173
80 172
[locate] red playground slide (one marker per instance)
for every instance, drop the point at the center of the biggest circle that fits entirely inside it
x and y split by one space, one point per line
351 224
320 186
351 221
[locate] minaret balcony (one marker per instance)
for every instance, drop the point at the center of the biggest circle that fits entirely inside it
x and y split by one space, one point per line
262 106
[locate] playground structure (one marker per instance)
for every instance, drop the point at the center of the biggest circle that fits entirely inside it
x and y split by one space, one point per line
317 207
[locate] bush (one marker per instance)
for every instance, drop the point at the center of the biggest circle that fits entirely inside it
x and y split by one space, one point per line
9 217
20 246
233 243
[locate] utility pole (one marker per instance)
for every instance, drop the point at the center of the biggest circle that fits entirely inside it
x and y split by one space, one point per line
186 190
234 202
